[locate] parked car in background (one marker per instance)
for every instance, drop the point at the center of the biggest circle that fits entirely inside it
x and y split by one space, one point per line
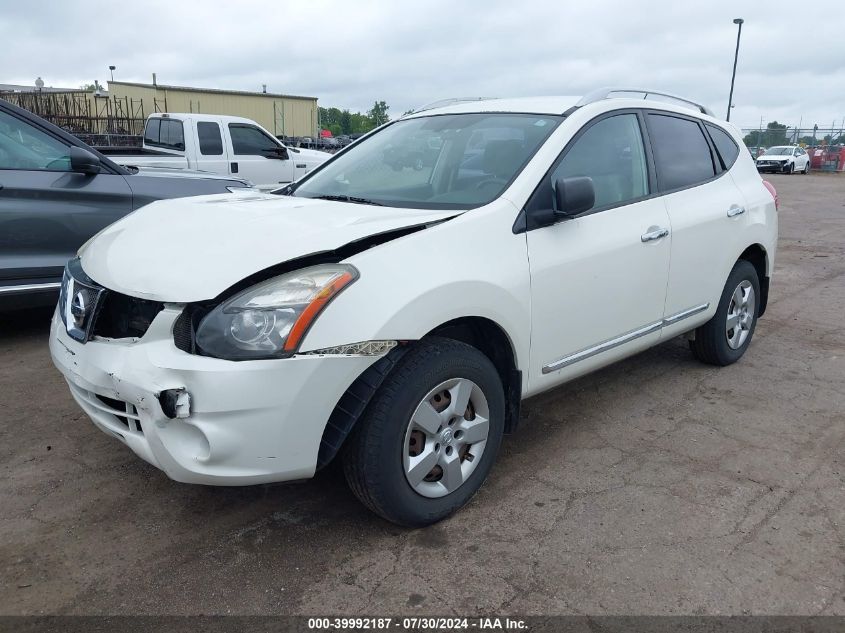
225 145
396 319
784 159
56 192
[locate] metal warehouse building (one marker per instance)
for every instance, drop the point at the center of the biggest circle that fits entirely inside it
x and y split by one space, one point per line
283 115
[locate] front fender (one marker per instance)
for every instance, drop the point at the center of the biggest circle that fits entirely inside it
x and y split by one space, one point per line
470 266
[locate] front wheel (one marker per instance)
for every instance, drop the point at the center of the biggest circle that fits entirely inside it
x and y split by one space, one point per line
430 434
788 169
724 338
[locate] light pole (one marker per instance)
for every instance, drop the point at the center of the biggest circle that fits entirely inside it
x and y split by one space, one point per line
111 70
738 22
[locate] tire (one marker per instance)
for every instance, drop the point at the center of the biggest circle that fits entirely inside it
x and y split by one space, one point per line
715 343
788 170
387 441
806 169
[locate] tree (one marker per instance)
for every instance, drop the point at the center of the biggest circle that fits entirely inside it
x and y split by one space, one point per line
346 122
378 113
773 134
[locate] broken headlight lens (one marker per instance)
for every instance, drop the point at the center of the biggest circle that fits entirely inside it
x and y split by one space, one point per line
270 319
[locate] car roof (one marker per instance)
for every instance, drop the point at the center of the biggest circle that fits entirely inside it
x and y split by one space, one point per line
219 118
558 105
532 105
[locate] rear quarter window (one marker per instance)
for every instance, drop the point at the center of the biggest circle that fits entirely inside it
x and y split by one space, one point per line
167 133
681 153
725 145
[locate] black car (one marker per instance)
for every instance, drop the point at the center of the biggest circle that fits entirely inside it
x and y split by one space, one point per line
56 192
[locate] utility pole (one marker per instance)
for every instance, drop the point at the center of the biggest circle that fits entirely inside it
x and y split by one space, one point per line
738 22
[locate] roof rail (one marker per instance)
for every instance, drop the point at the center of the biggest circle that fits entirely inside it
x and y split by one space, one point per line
604 93
446 102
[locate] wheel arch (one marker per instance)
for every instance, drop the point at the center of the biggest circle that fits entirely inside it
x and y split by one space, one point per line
492 340
758 257
482 333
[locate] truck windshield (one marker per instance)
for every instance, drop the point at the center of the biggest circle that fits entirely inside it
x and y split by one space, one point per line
454 161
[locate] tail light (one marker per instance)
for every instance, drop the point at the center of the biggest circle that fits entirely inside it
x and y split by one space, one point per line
772 191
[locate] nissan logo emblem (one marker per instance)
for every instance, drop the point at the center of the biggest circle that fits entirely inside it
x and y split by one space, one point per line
78 308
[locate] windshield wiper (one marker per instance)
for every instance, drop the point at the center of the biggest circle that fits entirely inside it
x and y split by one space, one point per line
353 199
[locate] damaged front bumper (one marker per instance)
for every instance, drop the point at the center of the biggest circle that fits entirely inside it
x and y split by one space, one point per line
205 420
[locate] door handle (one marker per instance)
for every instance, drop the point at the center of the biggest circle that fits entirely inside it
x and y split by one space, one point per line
735 211
654 233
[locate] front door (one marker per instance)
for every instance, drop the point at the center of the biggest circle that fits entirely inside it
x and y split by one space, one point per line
47 211
598 281
258 157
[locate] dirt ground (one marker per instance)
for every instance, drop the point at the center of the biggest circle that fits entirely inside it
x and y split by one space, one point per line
656 486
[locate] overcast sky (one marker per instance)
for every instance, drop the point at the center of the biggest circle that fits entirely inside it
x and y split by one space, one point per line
349 53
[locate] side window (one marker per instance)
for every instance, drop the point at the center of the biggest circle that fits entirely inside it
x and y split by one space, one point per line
681 152
28 148
725 145
211 144
248 140
167 133
611 153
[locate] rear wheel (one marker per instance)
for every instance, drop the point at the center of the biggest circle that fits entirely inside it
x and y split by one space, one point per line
430 435
806 169
724 338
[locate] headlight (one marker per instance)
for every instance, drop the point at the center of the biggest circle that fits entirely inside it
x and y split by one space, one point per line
270 319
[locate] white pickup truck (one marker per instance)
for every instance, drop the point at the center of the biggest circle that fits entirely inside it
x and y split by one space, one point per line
225 145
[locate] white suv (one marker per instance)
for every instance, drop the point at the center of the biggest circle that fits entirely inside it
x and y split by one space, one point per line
395 317
785 159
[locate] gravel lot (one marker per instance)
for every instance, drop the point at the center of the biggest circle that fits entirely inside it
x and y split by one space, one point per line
658 485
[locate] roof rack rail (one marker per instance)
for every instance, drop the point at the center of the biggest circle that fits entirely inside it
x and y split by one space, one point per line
445 102
604 93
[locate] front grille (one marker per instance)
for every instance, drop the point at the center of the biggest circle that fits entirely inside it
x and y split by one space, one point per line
185 327
183 332
122 316
88 309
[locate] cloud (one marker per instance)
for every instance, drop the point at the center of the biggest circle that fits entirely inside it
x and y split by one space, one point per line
349 54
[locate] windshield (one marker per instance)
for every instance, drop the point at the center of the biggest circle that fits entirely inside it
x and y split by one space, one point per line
778 151
454 161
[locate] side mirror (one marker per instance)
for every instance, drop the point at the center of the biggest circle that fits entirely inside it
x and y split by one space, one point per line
83 161
574 196
279 153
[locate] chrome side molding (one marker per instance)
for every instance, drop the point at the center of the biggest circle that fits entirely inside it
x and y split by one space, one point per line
684 314
53 285
623 338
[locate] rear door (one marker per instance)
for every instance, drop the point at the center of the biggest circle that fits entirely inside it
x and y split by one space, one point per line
47 211
211 150
258 157
705 212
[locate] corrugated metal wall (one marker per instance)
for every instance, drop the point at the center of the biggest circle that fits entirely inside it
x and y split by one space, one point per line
281 115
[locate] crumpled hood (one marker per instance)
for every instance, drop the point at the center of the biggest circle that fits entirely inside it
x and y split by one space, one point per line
192 249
